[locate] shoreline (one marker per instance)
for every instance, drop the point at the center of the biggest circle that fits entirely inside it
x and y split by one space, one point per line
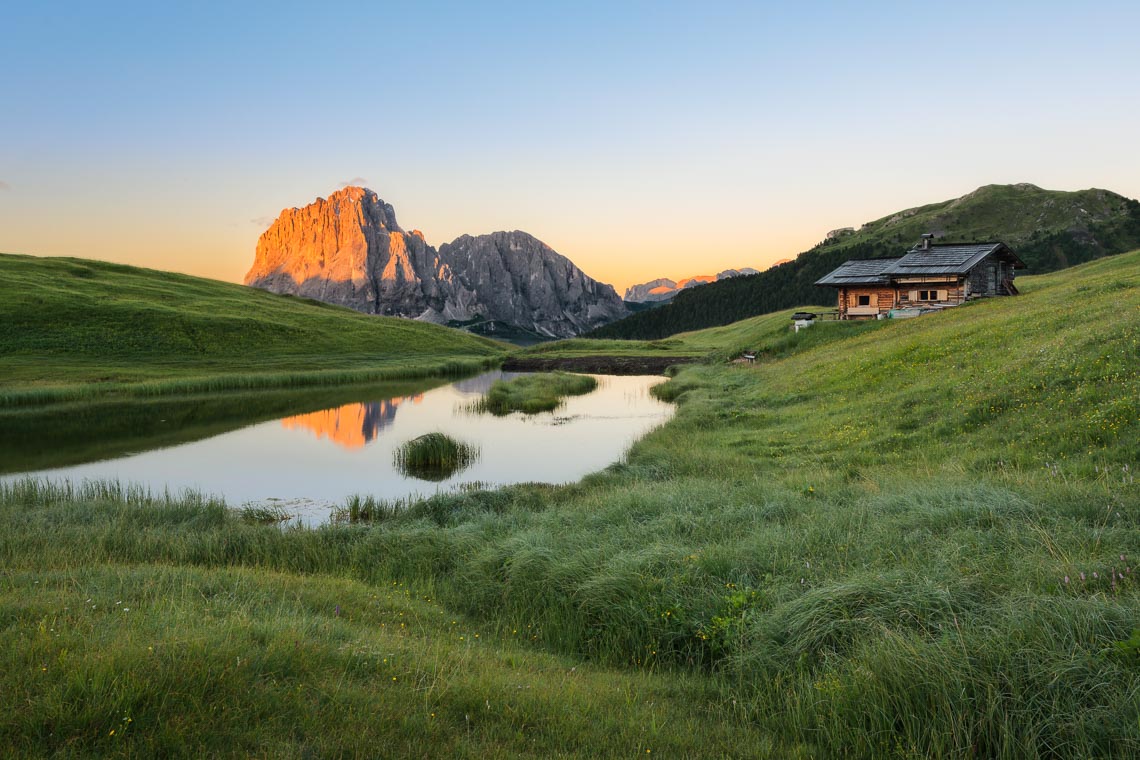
599 365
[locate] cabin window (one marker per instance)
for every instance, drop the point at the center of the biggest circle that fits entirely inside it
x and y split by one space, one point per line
864 300
928 295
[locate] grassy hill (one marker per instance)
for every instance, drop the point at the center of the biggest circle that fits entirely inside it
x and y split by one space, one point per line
73 326
917 538
768 335
1049 230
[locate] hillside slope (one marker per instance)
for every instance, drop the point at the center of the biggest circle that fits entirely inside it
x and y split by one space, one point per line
1049 230
73 321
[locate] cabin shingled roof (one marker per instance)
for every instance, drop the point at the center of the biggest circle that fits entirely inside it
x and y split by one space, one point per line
939 259
860 272
948 258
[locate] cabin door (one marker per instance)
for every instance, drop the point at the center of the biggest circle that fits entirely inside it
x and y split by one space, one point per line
993 289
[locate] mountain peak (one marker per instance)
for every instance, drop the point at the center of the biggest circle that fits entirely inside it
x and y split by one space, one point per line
354 191
348 249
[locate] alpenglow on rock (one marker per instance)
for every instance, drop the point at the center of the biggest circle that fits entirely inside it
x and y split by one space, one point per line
349 250
664 289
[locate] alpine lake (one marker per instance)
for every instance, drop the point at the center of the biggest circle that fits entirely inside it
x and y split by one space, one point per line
304 454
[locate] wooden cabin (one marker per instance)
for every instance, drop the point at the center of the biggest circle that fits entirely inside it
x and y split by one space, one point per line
929 277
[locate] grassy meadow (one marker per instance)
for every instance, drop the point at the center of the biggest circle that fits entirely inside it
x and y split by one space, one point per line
903 539
142 627
80 329
531 394
770 336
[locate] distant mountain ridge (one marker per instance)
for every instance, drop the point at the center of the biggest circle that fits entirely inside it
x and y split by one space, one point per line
1048 229
663 289
349 250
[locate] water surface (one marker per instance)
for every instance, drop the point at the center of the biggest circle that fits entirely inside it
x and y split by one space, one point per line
311 461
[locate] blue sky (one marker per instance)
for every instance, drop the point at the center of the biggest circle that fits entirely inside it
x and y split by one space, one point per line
639 139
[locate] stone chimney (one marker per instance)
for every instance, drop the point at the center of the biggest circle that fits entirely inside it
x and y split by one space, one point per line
927 238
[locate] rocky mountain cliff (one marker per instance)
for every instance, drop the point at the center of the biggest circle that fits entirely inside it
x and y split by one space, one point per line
349 250
516 278
663 289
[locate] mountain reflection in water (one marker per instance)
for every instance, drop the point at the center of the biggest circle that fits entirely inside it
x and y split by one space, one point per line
310 459
352 425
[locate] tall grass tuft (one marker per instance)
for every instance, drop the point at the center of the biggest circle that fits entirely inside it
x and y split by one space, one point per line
531 394
369 509
434 456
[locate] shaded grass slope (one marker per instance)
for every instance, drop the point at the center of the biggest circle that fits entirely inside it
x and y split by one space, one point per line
115 328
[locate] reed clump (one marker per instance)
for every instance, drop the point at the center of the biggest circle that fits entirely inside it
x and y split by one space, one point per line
434 456
531 394
369 509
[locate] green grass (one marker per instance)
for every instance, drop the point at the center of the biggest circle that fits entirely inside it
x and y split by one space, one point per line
877 542
531 394
135 626
78 329
434 456
769 335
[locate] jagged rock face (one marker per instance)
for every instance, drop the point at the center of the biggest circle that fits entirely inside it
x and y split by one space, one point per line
663 289
654 290
349 250
515 278
736 273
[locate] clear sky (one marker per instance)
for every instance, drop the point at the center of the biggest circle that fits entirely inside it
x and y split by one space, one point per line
641 139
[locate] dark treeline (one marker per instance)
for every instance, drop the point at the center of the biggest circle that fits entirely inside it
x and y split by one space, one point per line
737 298
792 284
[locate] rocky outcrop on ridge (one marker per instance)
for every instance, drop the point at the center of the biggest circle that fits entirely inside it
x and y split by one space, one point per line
655 290
664 289
349 250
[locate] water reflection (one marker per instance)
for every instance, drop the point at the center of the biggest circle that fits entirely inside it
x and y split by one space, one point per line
71 434
312 459
352 425
481 383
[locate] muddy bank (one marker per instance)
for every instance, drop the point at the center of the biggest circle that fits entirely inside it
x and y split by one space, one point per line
599 365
